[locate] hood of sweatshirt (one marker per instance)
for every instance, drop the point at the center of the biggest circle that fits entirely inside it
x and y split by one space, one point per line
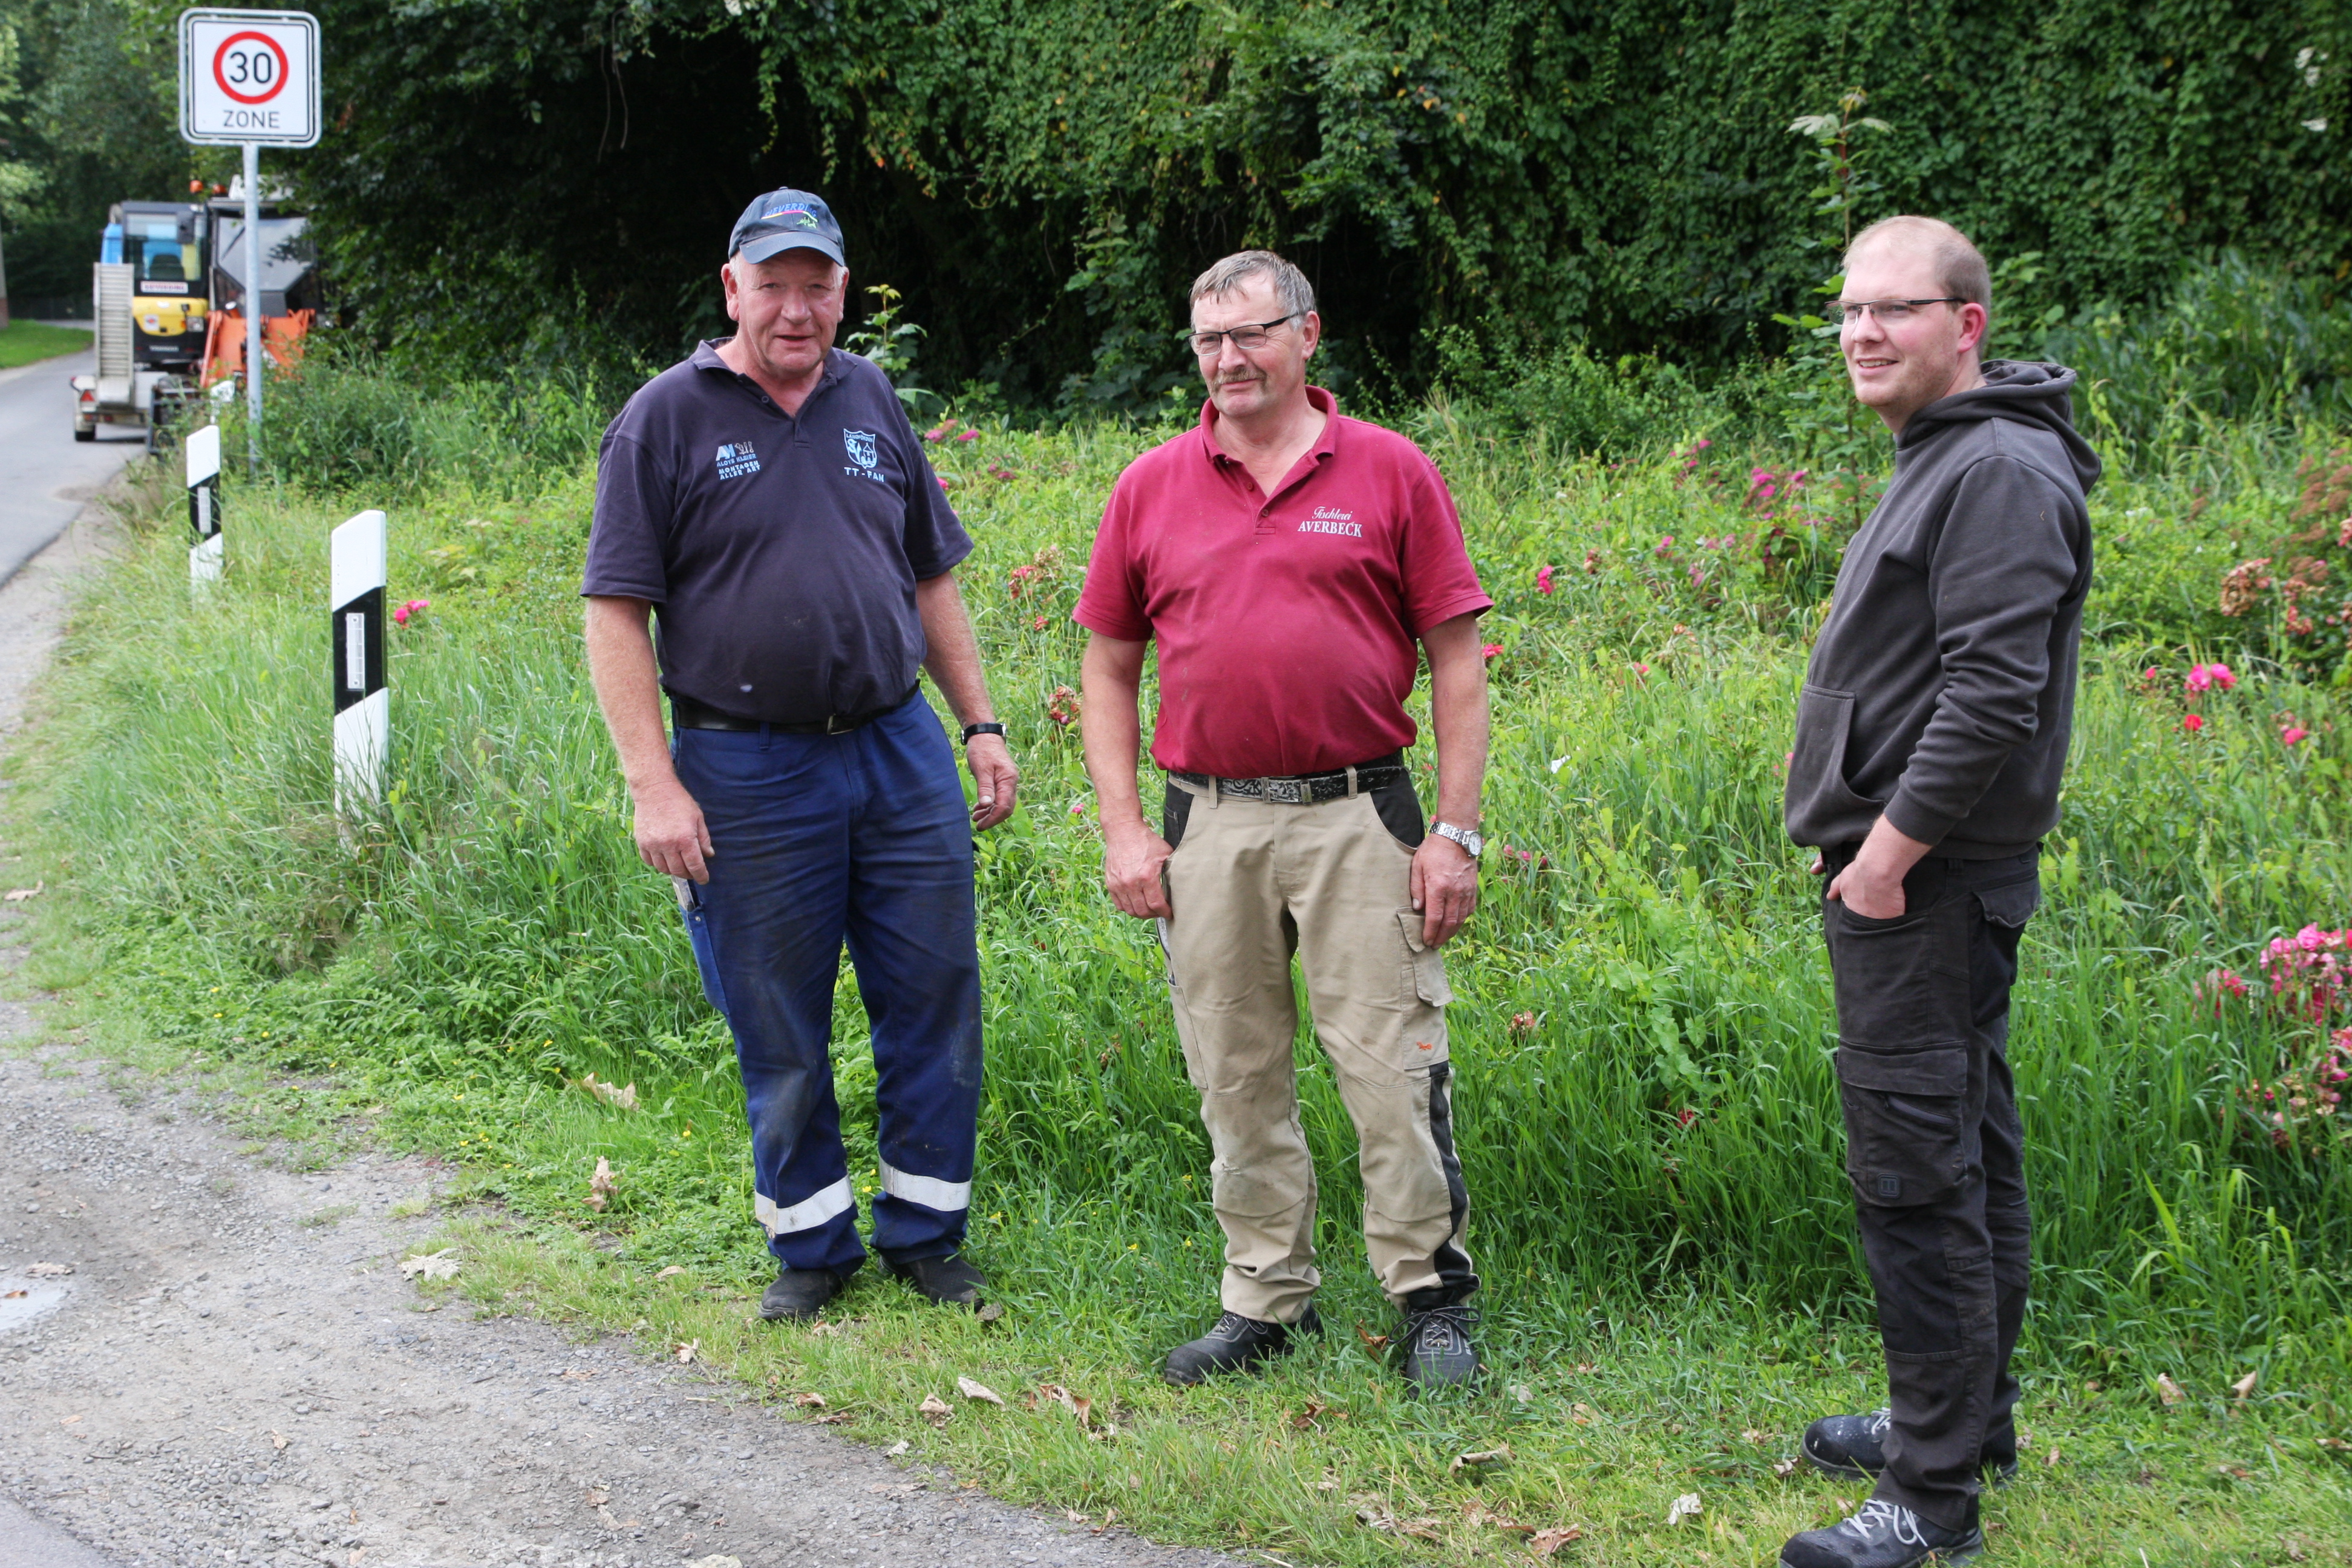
2026 392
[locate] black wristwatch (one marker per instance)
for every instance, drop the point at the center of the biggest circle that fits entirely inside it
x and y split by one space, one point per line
990 728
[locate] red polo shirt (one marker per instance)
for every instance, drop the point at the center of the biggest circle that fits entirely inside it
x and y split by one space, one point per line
1288 623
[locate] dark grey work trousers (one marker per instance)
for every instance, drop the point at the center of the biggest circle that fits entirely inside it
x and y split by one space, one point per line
1935 1153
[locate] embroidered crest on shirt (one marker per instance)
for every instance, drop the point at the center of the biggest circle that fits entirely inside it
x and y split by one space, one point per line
861 447
1331 519
736 458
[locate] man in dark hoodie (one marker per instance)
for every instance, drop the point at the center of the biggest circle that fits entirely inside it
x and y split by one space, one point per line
1930 735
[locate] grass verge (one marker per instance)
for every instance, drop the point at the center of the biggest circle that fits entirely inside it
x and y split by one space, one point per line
23 343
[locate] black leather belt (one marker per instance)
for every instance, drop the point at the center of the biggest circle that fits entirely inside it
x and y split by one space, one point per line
688 714
1305 789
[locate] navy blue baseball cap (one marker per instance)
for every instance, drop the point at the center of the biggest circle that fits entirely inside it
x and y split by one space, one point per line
786 220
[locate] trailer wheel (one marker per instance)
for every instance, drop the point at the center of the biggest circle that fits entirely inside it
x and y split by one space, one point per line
82 434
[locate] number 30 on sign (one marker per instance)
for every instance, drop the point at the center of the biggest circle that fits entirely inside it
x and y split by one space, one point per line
249 76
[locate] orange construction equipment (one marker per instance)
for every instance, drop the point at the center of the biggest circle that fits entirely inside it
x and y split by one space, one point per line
281 339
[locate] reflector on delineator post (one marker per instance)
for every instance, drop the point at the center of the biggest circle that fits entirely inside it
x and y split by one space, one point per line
204 505
362 710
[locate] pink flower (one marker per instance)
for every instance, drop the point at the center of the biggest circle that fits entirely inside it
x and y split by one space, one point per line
943 481
2292 734
1492 650
969 436
2193 723
1644 670
2209 676
1543 580
2150 673
413 607
1703 444
1665 545
1078 808
1038 624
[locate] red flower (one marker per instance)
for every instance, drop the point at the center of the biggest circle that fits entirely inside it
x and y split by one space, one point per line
1492 650
1543 580
2193 723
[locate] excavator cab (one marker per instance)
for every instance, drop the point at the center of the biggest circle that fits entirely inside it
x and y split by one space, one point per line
163 244
289 288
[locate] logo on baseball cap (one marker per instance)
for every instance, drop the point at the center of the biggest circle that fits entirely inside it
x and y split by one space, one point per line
786 220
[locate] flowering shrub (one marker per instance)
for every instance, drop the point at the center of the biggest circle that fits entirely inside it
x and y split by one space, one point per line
2311 623
2310 976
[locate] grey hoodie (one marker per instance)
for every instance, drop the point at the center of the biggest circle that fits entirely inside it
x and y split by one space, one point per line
1941 690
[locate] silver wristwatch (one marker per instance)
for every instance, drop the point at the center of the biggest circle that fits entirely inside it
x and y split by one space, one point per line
1473 842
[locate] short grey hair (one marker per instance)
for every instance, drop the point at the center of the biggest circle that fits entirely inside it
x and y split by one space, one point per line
1960 266
1290 285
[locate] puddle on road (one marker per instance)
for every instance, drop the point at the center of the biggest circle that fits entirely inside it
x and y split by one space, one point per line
39 1298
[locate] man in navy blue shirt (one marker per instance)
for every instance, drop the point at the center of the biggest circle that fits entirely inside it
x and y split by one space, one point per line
768 503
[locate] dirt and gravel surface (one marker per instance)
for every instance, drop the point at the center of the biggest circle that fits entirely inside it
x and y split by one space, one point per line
214 1359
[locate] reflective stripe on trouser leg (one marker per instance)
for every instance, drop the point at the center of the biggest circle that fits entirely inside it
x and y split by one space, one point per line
806 1215
947 1197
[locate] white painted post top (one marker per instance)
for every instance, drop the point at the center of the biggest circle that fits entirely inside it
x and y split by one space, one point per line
356 558
203 455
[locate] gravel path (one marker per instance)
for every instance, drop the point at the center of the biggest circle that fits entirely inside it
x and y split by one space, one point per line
230 1369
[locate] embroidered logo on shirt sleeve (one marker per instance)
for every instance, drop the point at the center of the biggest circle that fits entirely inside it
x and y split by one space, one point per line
736 458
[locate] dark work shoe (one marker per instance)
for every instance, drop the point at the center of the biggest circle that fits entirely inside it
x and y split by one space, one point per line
1438 1351
799 1294
951 1281
1881 1535
1235 1344
1854 1447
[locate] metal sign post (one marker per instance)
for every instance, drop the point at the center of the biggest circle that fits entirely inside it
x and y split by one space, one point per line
251 80
203 506
362 710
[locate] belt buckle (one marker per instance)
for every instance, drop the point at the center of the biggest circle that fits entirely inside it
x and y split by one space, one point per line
1285 792
839 725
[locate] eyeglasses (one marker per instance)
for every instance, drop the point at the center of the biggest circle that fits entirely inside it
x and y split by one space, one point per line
1208 344
1890 312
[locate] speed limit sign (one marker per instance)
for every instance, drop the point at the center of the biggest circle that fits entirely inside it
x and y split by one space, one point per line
250 77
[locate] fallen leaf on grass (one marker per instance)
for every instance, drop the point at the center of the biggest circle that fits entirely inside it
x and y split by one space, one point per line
18 895
1496 1455
1687 1506
430 1266
687 1349
809 1401
897 1449
1075 1517
2053 1460
673 1269
2245 1387
1548 1541
278 1441
2293 1549
2240 1473
49 1270
2168 1390
835 1418
1476 1513
1582 1415
2336 1443
934 1409
618 1097
601 1184
979 1392
1108 1514
1784 1469
990 1311
1376 1344
1753 1436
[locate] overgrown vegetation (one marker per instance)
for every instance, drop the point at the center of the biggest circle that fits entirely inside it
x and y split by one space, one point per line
1648 1117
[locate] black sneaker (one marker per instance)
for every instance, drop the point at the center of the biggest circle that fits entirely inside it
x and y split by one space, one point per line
951 1281
1438 1351
799 1294
1881 1535
1854 1447
1235 1344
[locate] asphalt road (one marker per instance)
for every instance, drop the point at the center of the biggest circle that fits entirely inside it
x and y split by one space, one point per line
44 474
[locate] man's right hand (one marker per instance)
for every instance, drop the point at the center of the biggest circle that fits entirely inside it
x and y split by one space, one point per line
1132 859
671 837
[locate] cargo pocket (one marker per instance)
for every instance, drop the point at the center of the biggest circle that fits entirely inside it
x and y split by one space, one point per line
2012 903
1906 1139
697 936
1425 965
1901 984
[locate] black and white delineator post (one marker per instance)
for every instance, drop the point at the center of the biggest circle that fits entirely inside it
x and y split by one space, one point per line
204 505
362 710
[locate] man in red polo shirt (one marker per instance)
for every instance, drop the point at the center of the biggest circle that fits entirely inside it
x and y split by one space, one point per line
1287 560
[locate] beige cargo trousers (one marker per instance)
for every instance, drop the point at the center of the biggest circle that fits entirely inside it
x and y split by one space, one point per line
1250 883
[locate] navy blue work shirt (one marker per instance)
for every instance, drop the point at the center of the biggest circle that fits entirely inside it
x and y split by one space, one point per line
780 552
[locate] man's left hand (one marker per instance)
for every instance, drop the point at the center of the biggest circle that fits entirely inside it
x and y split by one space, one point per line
994 780
1445 887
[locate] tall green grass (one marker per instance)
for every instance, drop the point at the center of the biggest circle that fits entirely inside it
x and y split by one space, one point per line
1642 1031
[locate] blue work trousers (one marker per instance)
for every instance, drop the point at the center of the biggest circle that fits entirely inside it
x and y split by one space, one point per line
860 837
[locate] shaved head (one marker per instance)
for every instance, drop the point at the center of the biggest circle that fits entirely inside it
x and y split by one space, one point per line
1959 265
